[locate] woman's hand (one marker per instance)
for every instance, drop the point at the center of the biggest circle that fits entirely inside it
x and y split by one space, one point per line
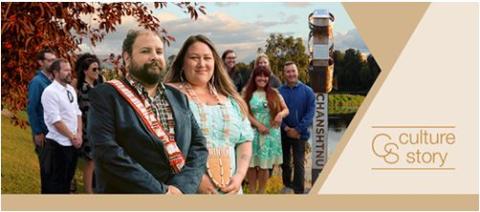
277 120
206 186
234 186
262 129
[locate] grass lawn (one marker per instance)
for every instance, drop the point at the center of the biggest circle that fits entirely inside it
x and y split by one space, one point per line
20 168
21 171
344 103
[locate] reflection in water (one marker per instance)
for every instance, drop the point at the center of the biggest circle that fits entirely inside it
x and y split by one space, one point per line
337 124
336 128
334 136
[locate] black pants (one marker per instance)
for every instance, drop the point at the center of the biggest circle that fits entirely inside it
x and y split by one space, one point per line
57 167
38 152
298 147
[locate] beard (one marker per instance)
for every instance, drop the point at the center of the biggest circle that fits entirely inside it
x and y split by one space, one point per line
67 79
150 73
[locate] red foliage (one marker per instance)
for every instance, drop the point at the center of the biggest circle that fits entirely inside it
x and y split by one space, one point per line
28 27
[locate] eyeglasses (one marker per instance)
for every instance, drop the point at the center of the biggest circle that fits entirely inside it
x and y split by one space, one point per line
94 69
50 60
70 96
231 58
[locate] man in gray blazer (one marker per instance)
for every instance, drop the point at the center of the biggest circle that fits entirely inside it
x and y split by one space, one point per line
131 154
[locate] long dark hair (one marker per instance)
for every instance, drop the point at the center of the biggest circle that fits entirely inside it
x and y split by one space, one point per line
83 63
222 82
273 98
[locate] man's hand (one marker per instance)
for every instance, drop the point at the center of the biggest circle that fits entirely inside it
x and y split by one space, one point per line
79 140
292 133
172 190
39 139
74 140
234 186
206 186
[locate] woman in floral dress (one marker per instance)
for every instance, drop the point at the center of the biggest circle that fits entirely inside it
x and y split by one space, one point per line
267 109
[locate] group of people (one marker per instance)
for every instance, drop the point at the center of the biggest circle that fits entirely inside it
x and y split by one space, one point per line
200 127
57 110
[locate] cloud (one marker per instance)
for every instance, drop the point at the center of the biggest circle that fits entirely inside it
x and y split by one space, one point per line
292 19
225 32
351 39
112 43
166 16
225 4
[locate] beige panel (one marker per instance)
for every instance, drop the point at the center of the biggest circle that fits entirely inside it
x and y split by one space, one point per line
385 27
433 86
239 202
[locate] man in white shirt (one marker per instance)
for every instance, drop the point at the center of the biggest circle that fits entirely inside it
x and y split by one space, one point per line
64 122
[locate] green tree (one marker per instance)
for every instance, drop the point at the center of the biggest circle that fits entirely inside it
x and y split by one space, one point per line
370 72
352 73
243 67
352 68
281 49
373 66
339 71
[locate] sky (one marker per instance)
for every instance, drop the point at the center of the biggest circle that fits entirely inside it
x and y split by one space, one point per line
243 26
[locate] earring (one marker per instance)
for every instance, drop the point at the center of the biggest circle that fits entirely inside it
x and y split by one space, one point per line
212 80
181 76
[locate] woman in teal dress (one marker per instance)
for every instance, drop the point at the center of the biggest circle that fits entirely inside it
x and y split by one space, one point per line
220 112
267 109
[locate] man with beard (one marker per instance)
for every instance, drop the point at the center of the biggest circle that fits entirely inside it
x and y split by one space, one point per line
145 138
64 122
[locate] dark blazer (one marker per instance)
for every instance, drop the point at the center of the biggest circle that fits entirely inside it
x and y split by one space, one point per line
130 159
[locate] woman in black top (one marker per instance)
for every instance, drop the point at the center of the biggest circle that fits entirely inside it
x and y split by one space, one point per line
88 73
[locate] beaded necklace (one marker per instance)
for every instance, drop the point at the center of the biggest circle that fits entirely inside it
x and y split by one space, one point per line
218 164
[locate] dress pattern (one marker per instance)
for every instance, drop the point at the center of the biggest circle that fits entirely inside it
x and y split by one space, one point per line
84 105
267 149
240 129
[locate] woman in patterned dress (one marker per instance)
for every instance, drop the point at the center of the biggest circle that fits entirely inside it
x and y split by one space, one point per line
220 111
267 109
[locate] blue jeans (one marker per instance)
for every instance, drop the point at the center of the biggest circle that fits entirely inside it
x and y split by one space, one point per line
298 146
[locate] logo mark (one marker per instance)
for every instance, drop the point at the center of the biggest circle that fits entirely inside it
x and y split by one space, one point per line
388 153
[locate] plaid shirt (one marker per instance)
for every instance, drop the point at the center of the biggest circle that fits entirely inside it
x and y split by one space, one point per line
160 106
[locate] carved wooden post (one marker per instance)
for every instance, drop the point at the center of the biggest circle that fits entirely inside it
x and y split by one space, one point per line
321 78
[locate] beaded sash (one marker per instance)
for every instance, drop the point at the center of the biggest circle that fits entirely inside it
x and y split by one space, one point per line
144 111
218 162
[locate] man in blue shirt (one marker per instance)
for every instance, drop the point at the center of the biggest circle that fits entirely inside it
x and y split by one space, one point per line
34 106
300 101
35 89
